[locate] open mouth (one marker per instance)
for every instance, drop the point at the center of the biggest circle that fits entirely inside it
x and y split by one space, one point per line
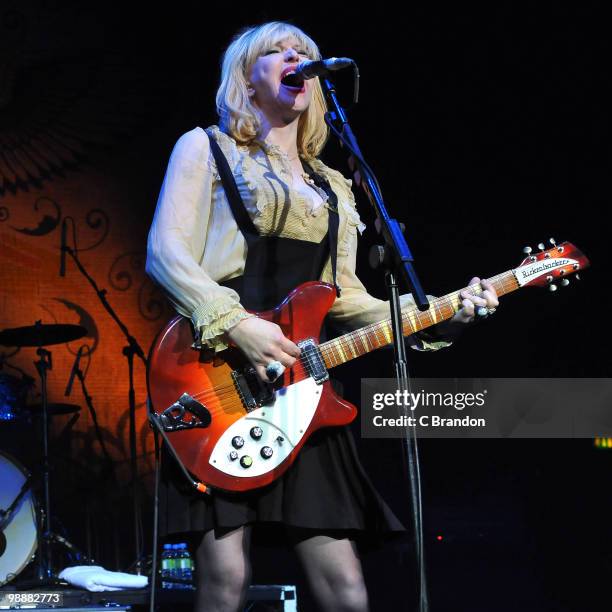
293 81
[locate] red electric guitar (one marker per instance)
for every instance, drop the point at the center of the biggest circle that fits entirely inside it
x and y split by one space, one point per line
234 432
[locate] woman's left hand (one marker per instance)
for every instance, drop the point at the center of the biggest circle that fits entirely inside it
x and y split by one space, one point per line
470 303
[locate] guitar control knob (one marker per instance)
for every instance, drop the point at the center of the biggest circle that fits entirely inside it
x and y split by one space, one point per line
527 250
237 441
266 452
233 455
246 461
256 433
565 282
552 287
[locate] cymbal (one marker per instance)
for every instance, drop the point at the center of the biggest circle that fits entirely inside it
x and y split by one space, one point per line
42 334
53 409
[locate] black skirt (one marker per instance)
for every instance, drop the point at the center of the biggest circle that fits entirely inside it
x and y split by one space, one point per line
325 490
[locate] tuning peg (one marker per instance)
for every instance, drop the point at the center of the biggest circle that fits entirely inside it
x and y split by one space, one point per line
565 282
541 246
577 276
527 250
552 287
552 241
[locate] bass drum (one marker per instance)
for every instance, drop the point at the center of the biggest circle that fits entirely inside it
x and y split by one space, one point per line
19 537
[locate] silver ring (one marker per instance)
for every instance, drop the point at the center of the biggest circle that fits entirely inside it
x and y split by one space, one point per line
274 369
492 310
482 312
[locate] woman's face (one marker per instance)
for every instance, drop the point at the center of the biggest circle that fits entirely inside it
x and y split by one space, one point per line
278 100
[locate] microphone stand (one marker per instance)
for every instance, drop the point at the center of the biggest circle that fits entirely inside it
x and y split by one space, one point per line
132 349
395 257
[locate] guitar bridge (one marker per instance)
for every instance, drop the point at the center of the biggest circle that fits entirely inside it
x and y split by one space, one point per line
185 413
253 392
313 361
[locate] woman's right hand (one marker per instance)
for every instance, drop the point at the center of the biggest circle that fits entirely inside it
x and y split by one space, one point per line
262 342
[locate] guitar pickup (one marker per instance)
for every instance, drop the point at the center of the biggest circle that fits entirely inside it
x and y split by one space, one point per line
313 361
185 413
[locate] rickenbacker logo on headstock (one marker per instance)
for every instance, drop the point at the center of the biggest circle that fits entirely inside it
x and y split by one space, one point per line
530 271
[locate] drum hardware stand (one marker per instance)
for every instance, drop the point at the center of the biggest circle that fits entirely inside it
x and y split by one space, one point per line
7 515
43 365
132 348
40 335
45 575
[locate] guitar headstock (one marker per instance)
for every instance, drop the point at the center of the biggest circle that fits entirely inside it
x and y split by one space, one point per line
546 268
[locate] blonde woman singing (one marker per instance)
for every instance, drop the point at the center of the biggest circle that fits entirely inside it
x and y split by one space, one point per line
271 131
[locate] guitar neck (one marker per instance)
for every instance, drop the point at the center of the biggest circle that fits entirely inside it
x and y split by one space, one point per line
376 335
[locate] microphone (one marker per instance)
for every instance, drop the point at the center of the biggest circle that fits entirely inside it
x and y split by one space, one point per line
75 367
314 68
63 250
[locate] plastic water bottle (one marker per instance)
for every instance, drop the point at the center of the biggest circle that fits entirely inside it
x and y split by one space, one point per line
166 565
174 566
185 565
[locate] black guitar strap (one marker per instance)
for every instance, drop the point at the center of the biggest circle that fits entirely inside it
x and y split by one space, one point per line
243 220
334 220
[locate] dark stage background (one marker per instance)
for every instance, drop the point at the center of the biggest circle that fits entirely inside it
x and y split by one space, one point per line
488 130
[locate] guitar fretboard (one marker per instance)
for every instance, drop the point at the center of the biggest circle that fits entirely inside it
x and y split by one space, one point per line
376 335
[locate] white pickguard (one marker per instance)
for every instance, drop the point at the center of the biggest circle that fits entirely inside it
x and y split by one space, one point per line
288 418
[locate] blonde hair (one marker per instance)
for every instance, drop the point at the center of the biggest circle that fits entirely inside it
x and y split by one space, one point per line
239 117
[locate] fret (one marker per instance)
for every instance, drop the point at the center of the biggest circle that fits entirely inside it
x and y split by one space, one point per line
367 347
349 346
412 321
386 330
358 345
341 350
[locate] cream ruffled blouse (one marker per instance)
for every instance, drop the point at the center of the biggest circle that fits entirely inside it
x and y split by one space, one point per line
194 242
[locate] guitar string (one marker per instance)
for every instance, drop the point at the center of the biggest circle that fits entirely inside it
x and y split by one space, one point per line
221 391
507 280
373 329
438 304
351 337
344 343
299 370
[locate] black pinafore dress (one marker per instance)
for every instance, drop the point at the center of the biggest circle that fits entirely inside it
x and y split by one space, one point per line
326 490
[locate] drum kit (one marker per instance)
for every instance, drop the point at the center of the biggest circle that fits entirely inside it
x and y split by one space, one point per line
25 523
